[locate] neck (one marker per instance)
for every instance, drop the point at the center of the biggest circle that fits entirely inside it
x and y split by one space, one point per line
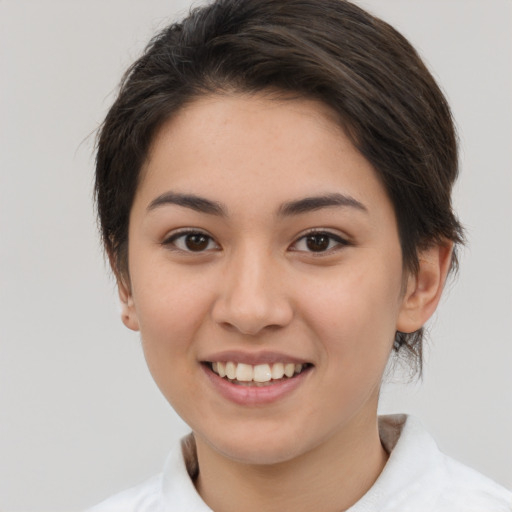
331 477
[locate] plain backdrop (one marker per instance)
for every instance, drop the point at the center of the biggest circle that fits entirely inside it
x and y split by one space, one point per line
80 417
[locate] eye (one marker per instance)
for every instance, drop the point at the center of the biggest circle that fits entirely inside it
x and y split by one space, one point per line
191 241
319 241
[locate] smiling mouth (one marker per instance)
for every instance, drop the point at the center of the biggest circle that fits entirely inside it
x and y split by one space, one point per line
256 375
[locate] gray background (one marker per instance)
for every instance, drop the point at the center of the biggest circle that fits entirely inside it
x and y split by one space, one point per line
79 414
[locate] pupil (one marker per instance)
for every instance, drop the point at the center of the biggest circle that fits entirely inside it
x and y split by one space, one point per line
196 242
317 243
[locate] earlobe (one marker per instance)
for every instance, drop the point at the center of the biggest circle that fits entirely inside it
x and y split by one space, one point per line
128 313
424 289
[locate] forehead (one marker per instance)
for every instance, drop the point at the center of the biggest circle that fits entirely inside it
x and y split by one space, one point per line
247 148
216 117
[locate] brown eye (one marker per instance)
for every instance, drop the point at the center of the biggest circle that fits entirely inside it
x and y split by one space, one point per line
318 243
191 241
197 242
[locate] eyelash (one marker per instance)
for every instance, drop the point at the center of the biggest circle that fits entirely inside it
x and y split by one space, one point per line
171 242
339 242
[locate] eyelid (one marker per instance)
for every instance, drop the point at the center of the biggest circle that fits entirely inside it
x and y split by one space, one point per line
170 239
341 240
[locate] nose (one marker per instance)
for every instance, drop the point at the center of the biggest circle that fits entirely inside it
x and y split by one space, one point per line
252 296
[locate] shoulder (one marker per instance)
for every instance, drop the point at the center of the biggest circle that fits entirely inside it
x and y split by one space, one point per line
419 477
458 482
172 490
142 498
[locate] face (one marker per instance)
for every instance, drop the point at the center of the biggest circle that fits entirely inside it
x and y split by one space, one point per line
262 245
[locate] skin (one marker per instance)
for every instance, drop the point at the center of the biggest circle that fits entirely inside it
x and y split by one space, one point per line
256 286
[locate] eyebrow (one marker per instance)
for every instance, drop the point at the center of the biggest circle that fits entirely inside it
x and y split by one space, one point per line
297 207
196 203
309 204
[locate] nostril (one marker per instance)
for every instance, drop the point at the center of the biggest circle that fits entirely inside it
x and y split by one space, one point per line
250 301
254 323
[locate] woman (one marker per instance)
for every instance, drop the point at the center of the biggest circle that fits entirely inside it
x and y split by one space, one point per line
273 185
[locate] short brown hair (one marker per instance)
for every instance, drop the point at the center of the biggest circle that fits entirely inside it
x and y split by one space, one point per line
330 50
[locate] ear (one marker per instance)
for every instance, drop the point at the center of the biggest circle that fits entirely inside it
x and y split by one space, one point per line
128 313
425 287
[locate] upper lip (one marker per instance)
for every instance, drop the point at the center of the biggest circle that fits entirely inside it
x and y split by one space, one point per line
253 358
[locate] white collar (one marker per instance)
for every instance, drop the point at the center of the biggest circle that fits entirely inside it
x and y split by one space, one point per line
417 478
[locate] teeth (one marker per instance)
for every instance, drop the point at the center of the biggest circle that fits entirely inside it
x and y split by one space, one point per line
277 370
230 370
244 372
262 373
289 369
259 373
221 369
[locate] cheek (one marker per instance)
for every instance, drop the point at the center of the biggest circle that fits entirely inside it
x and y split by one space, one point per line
170 315
355 313
354 320
170 308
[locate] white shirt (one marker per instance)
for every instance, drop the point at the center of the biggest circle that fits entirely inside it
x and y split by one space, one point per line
416 478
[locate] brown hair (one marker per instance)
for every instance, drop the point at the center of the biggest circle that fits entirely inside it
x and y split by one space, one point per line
330 50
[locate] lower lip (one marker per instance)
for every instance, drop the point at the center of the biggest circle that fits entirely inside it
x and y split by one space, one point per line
255 395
